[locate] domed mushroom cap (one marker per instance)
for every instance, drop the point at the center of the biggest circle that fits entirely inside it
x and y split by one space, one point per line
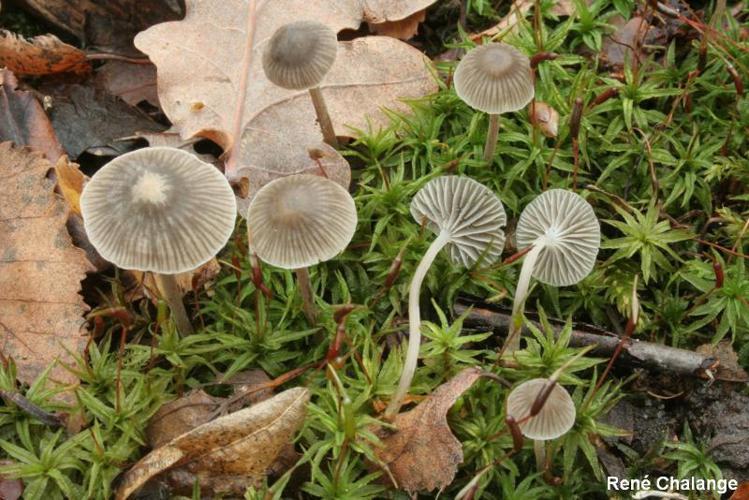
555 418
300 220
570 233
494 78
469 211
158 209
300 54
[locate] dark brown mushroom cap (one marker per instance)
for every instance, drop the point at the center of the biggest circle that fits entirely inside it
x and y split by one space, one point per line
565 224
301 220
494 78
469 211
300 54
158 209
555 418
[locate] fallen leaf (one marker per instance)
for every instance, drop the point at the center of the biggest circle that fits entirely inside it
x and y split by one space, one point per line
199 74
545 118
23 120
180 416
618 48
423 454
133 83
742 492
728 368
188 281
40 55
10 489
518 10
70 181
88 119
105 25
245 442
41 311
404 29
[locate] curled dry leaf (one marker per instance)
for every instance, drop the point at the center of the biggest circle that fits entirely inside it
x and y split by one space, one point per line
23 120
405 29
41 311
199 77
180 416
70 181
545 118
423 454
245 442
40 55
133 83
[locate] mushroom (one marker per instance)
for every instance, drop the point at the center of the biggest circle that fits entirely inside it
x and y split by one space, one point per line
468 219
564 234
298 221
160 210
297 57
543 410
494 78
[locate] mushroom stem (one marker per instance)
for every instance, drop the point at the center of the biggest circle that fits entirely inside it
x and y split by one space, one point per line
512 343
169 289
539 449
308 298
326 125
491 138
414 324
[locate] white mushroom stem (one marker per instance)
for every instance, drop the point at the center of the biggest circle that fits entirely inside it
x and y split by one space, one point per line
491 138
308 298
512 343
169 289
539 449
414 323
321 109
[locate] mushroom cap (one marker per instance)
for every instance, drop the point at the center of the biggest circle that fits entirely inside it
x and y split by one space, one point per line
494 78
300 220
300 54
555 418
158 209
568 228
469 211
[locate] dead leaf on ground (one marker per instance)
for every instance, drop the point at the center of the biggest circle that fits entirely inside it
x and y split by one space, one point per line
133 83
23 120
742 492
142 284
423 454
405 29
245 443
40 55
729 368
630 41
41 311
199 74
180 416
88 119
70 181
10 489
518 10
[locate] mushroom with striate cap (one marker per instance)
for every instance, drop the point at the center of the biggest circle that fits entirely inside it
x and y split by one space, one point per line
298 221
494 78
564 235
468 219
544 410
159 210
297 57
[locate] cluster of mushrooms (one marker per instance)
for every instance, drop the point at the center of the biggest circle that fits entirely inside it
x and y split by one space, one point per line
164 211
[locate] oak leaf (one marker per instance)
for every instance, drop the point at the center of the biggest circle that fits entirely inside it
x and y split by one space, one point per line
40 55
133 83
245 443
41 311
423 454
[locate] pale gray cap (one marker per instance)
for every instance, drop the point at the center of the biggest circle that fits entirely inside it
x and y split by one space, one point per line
469 211
565 224
300 54
301 220
494 78
555 418
158 209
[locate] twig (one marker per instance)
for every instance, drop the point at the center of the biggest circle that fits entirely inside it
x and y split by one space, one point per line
634 351
43 416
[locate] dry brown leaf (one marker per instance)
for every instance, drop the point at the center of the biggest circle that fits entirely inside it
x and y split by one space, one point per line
180 416
245 442
23 120
188 281
742 492
40 55
545 118
41 311
422 454
618 48
518 10
10 489
405 29
133 83
70 180
199 74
